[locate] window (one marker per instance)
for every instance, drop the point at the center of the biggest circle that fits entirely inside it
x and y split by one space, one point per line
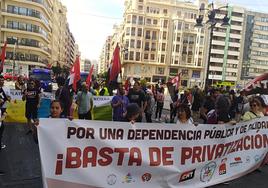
138 56
148 21
132 43
131 55
152 57
127 31
147 46
165 23
139 32
146 56
160 70
178 38
140 7
163 46
133 31
153 46
164 35
138 45
162 59
147 34
179 26
177 48
155 22
165 11
140 1
128 18
23 11
22 26
140 20
134 19
154 35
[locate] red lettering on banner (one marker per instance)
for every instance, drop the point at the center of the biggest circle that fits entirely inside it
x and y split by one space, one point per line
155 156
87 159
121 152
246 146
186 153
152 153
73 158
166 156
133 159
219 151
105 154
197 152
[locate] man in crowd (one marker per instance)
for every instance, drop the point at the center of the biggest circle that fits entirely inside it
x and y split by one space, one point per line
137 95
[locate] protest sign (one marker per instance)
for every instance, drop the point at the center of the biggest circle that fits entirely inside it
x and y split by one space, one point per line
95 154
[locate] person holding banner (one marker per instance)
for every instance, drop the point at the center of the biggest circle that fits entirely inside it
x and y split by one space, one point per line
119 104
255 110
184 114
84 102
133 113
32 97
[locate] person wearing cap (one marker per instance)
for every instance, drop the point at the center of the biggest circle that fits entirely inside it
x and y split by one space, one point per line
84 102
133 113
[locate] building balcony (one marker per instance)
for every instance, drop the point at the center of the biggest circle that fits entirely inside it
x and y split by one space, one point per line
25 32
234 44
217 42
215 51
233 53
23 17
236 27
216 60
232 61
237 19
214 68
235 36
219 34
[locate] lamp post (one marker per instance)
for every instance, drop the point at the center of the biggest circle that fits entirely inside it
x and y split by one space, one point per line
212 22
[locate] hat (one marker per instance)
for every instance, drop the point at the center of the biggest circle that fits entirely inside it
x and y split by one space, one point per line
132 109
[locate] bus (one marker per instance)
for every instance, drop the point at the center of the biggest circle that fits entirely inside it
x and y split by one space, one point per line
44 76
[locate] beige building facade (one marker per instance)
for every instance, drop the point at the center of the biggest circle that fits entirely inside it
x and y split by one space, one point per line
26 26
37 34
162 41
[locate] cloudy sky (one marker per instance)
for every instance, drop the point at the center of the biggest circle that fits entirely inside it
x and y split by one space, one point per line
91 21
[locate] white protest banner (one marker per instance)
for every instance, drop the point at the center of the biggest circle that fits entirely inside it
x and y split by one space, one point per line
102 100
97 154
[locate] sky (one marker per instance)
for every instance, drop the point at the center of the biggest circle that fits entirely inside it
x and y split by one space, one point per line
91 21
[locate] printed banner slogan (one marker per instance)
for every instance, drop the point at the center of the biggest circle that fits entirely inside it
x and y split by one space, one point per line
103 154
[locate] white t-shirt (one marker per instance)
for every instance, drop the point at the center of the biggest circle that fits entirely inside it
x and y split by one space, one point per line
7 92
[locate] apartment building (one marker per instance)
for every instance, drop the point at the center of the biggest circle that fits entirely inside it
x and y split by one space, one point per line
26 26
37 34
105 56
227 47
162 41
255 58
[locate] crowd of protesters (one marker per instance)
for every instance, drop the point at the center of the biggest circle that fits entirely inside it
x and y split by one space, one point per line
138 103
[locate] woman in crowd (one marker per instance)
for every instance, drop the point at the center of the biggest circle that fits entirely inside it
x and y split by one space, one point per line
56 109
220 114
184 114
255 110
20 84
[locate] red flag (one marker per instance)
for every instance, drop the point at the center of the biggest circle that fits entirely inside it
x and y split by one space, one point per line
115 68
3 57
88 81
176 81
75 73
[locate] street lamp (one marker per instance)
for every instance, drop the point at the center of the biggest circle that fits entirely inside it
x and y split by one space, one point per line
212 21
